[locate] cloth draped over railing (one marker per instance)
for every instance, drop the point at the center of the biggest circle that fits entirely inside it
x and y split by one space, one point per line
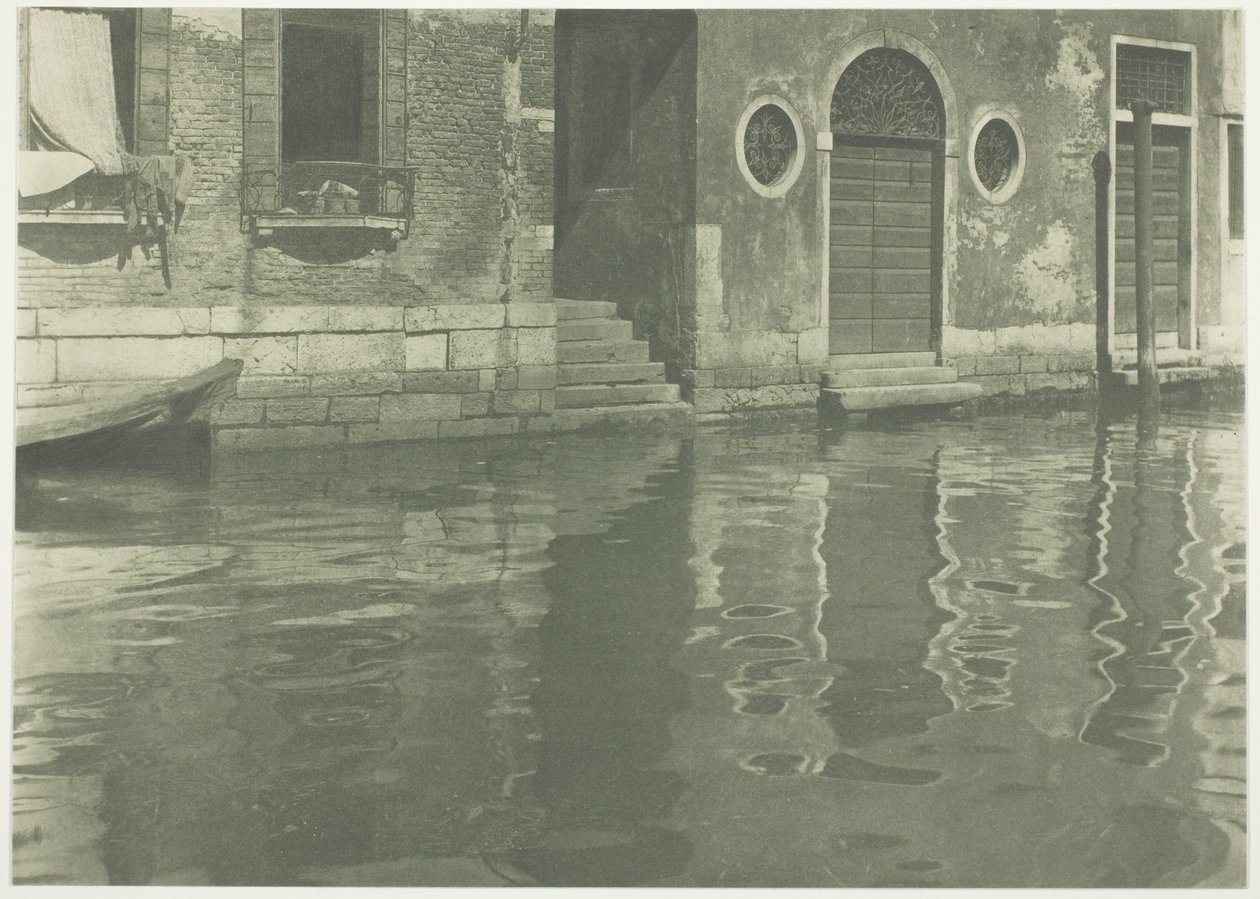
75 130
72 102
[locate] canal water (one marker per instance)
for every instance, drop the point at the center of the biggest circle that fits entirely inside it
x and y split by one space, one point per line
998 652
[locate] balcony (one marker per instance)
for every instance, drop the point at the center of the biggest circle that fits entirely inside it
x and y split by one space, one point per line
326 195
89 199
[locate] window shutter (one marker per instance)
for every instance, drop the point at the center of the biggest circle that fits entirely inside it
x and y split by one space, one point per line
260 85
24 80
153 53
394 95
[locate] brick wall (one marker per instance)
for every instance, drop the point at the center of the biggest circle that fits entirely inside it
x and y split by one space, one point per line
478 162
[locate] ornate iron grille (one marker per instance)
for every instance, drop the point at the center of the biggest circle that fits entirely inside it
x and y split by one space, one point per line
1153 73
327 188
996 154
887 93
769 144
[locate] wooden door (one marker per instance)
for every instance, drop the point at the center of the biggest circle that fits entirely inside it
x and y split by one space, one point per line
884 245
1172 241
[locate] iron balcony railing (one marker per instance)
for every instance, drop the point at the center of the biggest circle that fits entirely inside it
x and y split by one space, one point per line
327 189
92 192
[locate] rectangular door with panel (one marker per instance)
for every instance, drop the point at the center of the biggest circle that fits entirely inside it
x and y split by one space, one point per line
1173 240
884 258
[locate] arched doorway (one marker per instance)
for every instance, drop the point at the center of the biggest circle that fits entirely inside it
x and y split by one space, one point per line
887 206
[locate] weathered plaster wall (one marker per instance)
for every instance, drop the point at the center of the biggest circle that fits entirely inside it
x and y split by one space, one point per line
1016 270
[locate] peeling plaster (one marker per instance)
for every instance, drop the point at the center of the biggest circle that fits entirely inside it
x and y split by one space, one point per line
988 224
1047 275
1079 72
1076 69
977 39
1076 338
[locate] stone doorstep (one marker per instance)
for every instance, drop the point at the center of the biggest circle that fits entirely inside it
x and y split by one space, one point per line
600 395
1170 375
594 329
622 416
889 377
1172 358
880 360
864 399
569 310
578 351
611 373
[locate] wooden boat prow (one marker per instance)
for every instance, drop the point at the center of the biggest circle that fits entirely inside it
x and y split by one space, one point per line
172 402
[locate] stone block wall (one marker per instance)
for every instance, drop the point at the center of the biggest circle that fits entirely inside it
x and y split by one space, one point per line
1024 359
312 375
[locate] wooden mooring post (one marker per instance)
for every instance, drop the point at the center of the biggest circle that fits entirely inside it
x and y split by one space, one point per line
1102 315
1144 254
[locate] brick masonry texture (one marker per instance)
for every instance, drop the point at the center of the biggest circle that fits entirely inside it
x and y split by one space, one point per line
462 247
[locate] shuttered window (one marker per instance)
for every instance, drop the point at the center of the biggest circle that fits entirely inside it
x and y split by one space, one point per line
1235 164
321 84
152 82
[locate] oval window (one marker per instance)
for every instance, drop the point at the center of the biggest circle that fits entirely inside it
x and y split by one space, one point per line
997 158
768 146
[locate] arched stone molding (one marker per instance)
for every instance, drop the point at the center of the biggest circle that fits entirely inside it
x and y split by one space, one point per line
851 50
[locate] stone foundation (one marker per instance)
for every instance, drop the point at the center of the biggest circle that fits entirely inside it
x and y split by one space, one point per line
312 375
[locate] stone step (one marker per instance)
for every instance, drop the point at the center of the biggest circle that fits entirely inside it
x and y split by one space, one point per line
612 373
594 329
569 352
865 399
1127 340
568 310
889 377
631 415
1174 357
881 360
615 395
1170 375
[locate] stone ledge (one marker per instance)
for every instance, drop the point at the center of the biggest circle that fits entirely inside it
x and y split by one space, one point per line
462 317
865 399
283 437
731 399
122 321
616 417
248 320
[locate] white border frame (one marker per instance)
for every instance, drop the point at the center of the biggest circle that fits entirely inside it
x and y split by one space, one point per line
1007 189
789 178
1190 123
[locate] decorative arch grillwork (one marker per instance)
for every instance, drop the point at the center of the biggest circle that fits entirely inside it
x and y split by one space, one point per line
888 93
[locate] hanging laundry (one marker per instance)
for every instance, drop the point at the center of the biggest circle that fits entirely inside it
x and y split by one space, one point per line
72 99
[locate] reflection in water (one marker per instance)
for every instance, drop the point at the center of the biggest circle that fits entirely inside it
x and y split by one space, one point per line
1152 622
606 693
1006 652
882 616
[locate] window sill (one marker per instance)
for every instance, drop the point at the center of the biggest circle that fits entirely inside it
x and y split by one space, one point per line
72 217
265 223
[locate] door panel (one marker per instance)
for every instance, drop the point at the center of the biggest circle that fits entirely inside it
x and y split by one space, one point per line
1171 224
881 253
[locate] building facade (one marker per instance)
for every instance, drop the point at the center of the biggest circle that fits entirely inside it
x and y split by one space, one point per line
376 209
793 186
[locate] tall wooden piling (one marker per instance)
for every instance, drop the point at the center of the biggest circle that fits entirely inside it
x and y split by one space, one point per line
1144 254
1102 291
